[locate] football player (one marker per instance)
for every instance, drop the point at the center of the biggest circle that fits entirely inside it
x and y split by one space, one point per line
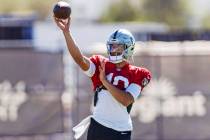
117 84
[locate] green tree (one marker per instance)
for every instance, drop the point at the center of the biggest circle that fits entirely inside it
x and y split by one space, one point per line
120 11
172 12
206 22
41 7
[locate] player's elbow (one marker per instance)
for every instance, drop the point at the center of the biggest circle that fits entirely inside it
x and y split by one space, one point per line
128 99
127 102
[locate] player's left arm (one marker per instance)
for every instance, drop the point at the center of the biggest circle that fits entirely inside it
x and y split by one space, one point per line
125 98
132 91
122 96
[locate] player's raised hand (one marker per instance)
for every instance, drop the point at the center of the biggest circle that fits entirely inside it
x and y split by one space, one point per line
102 74
63 24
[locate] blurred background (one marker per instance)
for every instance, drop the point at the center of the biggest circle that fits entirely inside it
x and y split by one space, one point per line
43 94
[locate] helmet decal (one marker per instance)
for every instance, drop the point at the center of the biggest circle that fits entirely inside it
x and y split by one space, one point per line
115 34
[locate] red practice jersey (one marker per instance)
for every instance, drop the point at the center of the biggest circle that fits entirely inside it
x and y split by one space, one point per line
120 78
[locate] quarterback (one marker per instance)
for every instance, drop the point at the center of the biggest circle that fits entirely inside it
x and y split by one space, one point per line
116 83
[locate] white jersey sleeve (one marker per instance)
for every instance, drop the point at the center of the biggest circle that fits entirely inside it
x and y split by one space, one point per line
134 90
90 72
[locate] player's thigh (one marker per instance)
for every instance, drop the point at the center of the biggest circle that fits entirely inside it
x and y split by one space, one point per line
92 131
97 131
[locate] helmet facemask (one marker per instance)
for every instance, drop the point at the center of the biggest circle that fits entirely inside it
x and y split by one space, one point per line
116 52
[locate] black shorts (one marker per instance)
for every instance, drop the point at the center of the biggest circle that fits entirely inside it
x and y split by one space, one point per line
97 131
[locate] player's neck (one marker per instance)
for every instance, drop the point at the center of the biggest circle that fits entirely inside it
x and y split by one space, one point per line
121 64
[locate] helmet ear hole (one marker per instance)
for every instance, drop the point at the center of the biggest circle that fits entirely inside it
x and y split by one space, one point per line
126 47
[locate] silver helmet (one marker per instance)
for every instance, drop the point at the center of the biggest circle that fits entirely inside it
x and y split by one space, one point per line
121 37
